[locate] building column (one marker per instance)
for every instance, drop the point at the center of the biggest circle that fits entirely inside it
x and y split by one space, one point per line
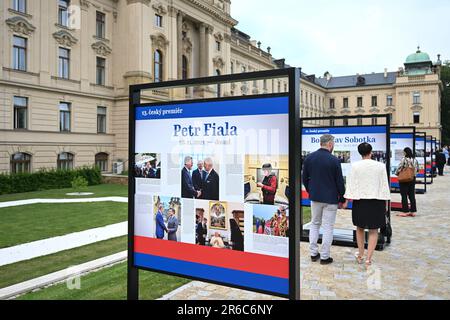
203 55
180 17
208 58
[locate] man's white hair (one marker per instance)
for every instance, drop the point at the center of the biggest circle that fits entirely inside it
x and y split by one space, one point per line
208 161
187 159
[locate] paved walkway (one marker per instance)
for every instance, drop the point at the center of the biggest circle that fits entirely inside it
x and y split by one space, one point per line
69 241
78 200
62 275
415 266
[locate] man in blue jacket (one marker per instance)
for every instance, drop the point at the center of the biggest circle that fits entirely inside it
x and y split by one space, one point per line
187 187
160 226
323 180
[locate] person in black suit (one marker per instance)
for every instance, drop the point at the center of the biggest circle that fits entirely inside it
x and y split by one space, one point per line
198 175
187 187
236 234
210 189
202 231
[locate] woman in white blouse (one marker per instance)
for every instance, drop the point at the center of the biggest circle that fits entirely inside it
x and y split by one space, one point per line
368 187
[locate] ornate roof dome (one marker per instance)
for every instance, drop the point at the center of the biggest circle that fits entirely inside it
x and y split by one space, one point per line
418 57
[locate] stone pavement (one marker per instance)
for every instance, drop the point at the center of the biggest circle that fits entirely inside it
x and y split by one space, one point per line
415 266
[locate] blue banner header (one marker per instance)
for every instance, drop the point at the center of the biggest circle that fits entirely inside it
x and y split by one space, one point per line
344 130
402 136
241 107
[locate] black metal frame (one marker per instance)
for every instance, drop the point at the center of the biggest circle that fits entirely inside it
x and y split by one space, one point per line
429 138
293 75
424 136
382 240
433 153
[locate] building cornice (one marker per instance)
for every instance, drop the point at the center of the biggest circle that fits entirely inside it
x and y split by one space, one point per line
55 89
101 48
20 25
65 38
212 11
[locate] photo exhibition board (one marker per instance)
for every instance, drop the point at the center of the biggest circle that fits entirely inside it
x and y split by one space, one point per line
428 154
211 188
347 140
421 159
399 141
434 149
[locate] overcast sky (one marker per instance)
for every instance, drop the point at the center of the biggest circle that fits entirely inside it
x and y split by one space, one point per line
346 36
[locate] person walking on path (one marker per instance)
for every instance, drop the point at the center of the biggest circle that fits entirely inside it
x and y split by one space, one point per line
440 162
368 187
446 154
323 180
408 189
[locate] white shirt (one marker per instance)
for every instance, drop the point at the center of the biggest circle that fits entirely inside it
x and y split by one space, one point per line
368 180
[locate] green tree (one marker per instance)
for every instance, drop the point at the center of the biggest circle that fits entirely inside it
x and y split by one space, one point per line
445 103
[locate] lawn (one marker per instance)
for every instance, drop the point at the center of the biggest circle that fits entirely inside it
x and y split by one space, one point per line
25 270
110 284
28 223
306 215
101 190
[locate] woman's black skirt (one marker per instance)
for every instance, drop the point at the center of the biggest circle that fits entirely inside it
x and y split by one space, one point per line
369 213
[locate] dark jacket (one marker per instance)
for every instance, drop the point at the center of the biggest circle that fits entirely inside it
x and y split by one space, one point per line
236 236
202 231
197 179
440 158
187 188
322 177
160 227
210 189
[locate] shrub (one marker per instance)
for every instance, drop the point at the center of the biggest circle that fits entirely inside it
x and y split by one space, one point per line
79 183
47 179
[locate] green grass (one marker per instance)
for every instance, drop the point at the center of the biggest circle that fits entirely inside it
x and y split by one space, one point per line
102 190
25 270
28 223
110 284
306 215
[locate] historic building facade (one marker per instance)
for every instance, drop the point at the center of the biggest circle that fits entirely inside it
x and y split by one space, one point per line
66 67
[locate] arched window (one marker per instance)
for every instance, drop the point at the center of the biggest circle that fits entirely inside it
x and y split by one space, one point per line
65 161
158 66
20 162
184 68
218 86
101 161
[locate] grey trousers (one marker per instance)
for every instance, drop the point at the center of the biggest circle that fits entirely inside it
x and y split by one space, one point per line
322 215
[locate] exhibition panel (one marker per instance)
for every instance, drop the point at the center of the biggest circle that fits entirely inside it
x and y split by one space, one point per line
213 192
347 139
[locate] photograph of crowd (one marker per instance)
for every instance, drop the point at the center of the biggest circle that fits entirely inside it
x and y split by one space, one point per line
271 220
379 156
219 225
201 183
167 215
147 165
343 156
